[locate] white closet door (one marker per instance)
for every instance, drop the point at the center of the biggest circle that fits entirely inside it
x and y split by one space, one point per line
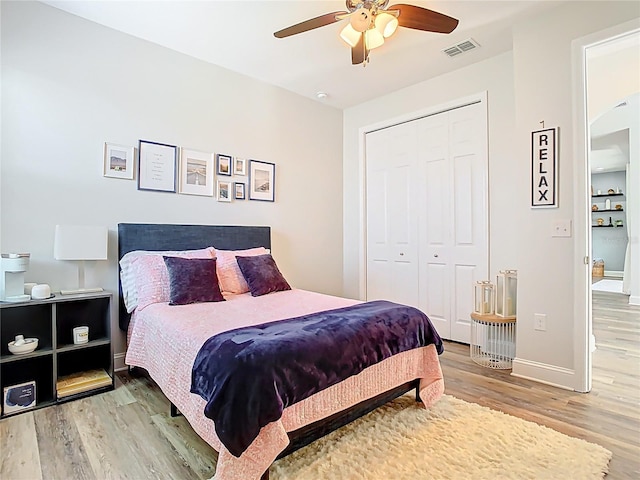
454 216
392 227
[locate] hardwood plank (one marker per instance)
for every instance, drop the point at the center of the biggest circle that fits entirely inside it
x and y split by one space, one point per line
62 452
19 455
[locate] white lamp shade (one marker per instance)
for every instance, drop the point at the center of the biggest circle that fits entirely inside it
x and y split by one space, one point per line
373 39
80 243
350 36
386 24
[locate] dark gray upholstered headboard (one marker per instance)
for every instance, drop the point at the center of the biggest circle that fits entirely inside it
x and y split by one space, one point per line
153 236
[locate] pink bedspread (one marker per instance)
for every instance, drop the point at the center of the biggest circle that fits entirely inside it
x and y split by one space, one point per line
165 339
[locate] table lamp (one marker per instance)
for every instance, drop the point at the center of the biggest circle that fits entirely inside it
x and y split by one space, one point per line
80 243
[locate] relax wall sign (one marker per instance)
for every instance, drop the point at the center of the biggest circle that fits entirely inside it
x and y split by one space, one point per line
544 168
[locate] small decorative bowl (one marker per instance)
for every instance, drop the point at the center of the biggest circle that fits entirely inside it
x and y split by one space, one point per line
618 207
611 190
600 221
29 345
594 208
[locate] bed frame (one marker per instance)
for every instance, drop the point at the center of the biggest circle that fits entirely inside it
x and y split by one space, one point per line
141 236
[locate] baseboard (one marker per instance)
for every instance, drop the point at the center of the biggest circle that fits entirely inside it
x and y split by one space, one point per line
541 372
634 300
613 273
118 362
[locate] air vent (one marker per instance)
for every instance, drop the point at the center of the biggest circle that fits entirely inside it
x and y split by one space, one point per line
461 47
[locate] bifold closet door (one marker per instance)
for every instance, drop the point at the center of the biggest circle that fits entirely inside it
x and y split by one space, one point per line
453 213
392 219
427 215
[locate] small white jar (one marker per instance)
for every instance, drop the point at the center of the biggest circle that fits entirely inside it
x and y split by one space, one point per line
80 335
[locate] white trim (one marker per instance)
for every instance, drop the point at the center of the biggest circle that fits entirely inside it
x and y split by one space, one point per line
118 362
613 273
480 97
582 271
634 300
544 373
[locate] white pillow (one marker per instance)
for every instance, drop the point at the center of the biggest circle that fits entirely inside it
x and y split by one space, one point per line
128 277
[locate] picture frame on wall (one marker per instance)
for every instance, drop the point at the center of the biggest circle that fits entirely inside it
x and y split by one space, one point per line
118 161
240 166
157 166
196 173
262 177
239 191
223 163
224 191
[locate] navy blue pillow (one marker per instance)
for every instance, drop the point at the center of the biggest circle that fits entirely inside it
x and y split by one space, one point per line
262 274
192 280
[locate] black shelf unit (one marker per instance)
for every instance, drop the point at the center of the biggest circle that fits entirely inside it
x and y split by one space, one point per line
52 322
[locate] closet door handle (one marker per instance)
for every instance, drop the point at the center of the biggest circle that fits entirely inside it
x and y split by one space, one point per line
435 255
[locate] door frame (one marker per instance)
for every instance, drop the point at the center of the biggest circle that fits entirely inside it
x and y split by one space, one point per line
583 343
480 97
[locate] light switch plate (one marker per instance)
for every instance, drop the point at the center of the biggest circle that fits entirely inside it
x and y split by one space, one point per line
561 228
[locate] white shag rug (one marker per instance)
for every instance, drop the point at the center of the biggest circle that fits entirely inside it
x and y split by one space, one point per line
606 285
452 440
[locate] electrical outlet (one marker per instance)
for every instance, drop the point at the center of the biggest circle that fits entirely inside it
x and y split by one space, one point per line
561 228
540 322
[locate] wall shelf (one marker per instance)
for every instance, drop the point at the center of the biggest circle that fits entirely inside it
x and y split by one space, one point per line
608 195
610 210
606 226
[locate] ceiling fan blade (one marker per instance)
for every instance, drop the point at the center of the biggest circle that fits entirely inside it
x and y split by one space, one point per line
424 19
310 24
359 52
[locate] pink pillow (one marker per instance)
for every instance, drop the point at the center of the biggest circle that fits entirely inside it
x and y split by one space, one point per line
229 275
152 276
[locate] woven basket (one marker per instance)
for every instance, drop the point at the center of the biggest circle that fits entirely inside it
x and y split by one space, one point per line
598 269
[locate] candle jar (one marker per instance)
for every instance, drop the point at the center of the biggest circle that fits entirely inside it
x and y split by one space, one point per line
483 298
506 286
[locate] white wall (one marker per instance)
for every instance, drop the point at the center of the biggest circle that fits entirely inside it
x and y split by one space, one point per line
534 84
69 85
493 76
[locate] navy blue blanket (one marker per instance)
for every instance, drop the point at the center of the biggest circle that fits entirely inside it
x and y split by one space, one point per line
249 375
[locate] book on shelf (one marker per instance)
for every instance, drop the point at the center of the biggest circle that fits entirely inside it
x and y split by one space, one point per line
82 382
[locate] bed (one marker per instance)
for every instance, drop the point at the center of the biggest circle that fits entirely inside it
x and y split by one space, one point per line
165 341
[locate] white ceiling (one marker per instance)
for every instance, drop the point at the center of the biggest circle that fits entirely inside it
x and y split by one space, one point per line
238 35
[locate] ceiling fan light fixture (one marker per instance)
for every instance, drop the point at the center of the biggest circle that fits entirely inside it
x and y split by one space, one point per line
386 24
350 36
360 20
373 38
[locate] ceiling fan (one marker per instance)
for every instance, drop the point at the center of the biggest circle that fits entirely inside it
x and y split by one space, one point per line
370 22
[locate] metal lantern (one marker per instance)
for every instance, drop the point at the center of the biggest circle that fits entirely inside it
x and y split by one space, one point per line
506 286
483 298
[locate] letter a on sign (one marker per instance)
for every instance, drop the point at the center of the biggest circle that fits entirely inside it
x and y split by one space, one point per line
544 168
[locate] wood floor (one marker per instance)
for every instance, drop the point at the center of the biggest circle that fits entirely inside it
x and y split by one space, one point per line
128 433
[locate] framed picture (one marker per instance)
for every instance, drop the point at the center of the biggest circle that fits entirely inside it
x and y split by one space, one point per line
118 161
262 176
224 191
238 191
196 173
239 166
157 167
19 397
223 163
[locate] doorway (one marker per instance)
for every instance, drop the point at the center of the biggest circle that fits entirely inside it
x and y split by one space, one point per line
595 95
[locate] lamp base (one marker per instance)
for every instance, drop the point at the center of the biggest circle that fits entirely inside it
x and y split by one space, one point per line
81 290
